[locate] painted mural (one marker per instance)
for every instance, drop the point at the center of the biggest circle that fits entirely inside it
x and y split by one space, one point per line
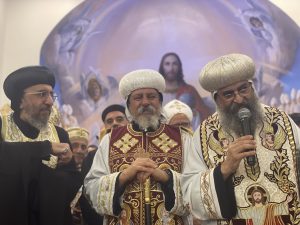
99 41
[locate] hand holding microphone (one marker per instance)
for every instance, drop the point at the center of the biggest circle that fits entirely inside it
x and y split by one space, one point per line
242 147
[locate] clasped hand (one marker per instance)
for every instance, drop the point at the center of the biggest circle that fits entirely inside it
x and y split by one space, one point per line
141 169
62 151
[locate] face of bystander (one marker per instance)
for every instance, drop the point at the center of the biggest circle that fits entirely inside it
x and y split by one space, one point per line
80 150
180 119
114 119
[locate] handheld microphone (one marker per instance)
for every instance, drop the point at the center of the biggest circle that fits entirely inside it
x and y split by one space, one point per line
244 115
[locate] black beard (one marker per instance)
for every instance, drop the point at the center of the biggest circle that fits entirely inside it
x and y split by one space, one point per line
229 115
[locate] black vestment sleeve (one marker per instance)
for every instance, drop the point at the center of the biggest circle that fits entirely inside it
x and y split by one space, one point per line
20 165
225 193
168 191
116 199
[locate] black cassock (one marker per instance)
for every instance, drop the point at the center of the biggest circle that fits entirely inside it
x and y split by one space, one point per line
30 192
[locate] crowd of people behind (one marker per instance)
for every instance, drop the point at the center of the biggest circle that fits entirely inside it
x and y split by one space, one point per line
152 165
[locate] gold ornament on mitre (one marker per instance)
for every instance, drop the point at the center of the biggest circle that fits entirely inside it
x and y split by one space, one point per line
76 133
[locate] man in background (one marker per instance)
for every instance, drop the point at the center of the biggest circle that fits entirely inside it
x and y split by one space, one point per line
113 116
178 114
79 138
82 212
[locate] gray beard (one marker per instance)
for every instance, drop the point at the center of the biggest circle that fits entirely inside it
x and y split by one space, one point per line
230 121
38 123
147 121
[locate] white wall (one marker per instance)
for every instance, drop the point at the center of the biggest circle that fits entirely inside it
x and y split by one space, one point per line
2 25
24 25
290 7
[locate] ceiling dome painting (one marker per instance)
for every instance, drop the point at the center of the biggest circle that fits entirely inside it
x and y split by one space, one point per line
93 46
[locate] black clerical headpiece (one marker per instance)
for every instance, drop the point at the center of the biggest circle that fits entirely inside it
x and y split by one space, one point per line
112 108
16 82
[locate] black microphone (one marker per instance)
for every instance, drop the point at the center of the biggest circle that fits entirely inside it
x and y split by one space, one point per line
244 115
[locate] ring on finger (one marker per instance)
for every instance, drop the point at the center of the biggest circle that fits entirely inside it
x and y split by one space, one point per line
66 150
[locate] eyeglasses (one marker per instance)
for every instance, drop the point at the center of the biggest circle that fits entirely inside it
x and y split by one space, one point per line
242 91
118 119
43 94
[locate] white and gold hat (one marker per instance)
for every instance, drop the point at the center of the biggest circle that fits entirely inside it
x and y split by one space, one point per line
144 78
175 107
76 133
226 70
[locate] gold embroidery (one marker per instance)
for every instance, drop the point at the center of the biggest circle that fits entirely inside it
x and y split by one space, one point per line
273 135
206 196
218 141
164 217
164 142
281 172
279 166
164 166
237 180
141 153
253 172
276 151
11 133
134 195
126 143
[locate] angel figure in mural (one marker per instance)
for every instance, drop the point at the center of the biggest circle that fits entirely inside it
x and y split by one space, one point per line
75 32
67 41
72 35
260 23
95 89
68 119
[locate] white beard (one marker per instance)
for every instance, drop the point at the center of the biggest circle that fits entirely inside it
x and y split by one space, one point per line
146 121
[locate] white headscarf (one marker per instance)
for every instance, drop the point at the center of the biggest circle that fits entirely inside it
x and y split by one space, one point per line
175 107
